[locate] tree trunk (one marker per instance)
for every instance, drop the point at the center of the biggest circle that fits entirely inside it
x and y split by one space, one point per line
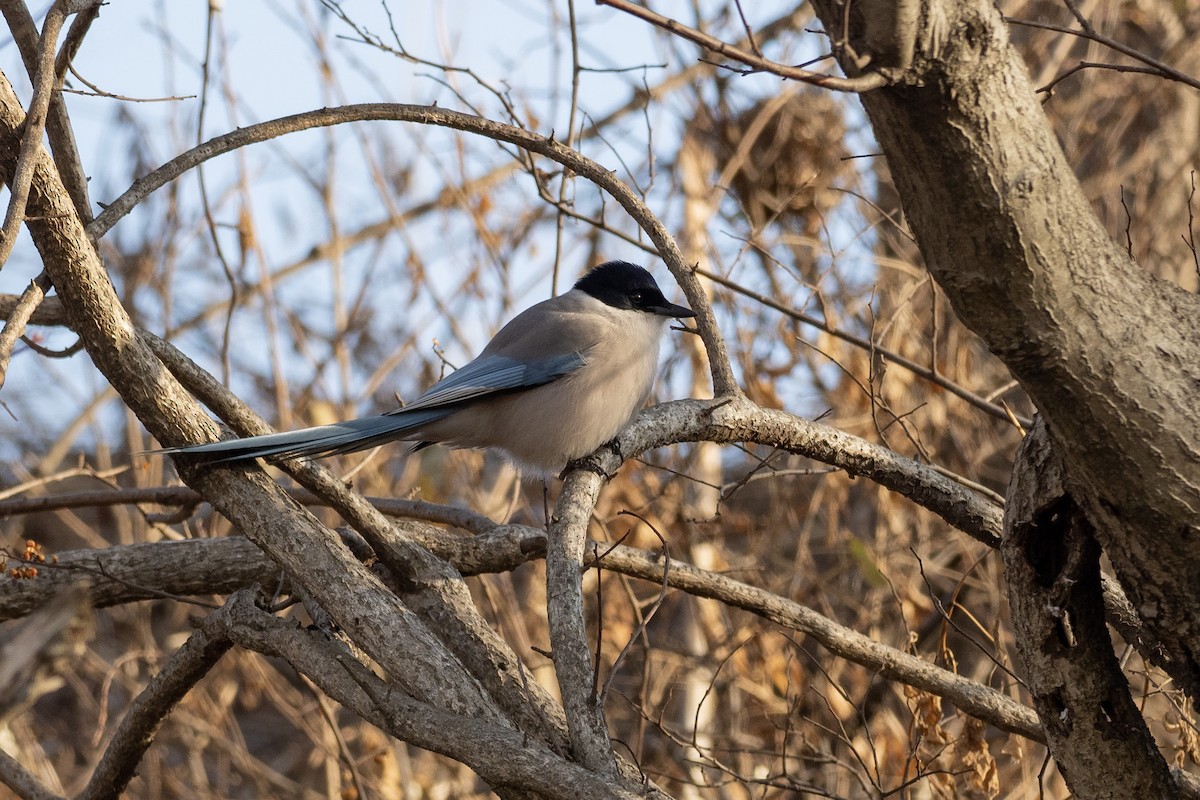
1107 352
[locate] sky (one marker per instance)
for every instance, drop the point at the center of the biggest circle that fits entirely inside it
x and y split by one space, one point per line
153 52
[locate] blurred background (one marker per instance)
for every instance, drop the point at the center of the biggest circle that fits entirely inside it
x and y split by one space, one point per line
333 273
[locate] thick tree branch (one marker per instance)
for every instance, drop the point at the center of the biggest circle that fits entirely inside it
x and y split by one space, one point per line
1052 566
501 756
569 644
1106 352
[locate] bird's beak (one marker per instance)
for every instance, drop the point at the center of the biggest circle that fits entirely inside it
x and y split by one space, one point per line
672 310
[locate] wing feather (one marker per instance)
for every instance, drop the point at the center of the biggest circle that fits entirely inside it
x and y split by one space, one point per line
488 375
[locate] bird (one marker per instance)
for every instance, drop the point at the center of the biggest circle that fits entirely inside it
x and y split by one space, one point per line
563 377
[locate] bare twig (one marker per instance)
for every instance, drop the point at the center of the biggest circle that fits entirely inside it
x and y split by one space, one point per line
1082 65
1165 70
863 83
1190 238
124 98
31 137
598 561
146 713
23 783
49 352
14 326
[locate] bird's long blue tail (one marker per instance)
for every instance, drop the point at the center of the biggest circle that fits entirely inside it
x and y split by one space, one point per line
325 440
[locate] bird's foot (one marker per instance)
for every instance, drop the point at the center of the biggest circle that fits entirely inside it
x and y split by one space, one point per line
592 464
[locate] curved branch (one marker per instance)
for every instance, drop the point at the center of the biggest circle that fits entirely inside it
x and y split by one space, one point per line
740 420
722 373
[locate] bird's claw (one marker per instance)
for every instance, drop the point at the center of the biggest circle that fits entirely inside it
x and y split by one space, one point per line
592 464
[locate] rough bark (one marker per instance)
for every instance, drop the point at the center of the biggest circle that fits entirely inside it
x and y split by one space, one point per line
1107 352
1052 565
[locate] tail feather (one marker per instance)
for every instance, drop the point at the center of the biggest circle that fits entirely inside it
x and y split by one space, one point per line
326 440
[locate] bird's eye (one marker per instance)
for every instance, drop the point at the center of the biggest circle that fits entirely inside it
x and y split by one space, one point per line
636 297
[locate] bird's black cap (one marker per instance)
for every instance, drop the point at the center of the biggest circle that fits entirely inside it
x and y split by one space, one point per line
623 285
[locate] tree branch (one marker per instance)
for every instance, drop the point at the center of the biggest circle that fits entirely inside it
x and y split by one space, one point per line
31 135
14 326
724 382
862 83
739 420
573 665
183 496
501 756
1052 567
23 783
146 713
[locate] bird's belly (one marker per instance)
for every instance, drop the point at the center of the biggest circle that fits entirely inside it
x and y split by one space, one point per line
542 429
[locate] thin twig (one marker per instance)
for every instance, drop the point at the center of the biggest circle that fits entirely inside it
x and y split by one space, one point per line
31 136
598 562
863 83
1165 70
14 327
928 374
1190 238
1049 88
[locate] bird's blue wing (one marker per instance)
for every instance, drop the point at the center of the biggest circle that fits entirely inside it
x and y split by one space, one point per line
488 375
